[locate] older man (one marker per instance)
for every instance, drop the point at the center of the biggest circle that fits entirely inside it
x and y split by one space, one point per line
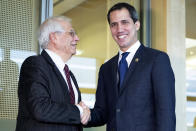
48 91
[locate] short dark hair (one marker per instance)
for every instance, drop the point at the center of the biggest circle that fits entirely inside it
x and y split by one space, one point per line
119 6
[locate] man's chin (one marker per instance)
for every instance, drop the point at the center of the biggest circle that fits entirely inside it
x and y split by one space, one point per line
74 53
122 45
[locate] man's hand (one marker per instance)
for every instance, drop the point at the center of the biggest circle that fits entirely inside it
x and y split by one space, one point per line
86 113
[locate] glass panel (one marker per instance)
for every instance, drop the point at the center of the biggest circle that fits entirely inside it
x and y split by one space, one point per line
18 25
190 9
191 81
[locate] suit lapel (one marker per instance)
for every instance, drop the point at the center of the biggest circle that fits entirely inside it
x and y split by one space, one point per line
134 63
60 77
76 85
114 74
56 71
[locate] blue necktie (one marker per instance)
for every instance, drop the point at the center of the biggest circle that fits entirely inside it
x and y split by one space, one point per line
123 66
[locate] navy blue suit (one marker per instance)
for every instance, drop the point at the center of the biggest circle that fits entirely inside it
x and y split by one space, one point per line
44 100
146 100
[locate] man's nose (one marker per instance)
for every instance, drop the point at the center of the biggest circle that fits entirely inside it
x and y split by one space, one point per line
119 28
76 38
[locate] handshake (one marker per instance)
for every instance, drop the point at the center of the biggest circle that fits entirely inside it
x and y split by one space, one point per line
85 116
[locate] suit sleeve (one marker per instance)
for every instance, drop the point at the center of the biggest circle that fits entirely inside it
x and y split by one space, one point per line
34 85
164 92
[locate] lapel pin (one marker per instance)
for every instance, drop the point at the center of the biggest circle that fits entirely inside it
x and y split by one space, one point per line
136 59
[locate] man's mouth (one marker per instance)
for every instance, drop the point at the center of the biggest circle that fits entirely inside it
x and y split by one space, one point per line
74 45
121 36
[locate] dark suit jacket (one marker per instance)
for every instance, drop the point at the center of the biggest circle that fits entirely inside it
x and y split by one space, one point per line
44 101
146 100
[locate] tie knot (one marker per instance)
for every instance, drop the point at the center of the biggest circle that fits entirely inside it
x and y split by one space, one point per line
124 55
66 68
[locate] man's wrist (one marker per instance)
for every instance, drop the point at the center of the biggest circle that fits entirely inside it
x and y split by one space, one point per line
80 109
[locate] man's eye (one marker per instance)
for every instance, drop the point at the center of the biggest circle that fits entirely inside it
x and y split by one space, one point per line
125 22
72 34
113 24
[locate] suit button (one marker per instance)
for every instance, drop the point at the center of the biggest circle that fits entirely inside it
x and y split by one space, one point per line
117 110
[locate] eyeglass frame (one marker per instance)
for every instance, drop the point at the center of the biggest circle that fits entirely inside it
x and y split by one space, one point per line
72 33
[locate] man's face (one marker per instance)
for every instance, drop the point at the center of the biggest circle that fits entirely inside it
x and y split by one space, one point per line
66 42
123 29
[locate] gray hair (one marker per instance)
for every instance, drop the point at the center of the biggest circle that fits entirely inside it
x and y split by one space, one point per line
50 25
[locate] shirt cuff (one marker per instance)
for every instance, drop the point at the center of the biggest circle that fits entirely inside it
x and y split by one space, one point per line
80 109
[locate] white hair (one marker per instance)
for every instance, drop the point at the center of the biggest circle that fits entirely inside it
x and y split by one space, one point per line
50 25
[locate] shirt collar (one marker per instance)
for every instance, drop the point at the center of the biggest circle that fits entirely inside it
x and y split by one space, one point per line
132 49
56 59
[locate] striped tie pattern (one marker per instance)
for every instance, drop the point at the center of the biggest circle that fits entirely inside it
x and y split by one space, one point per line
71 92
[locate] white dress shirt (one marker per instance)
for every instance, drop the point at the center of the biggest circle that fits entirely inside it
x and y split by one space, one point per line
132 50
60 65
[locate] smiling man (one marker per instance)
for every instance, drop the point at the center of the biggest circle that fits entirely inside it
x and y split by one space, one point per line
136 88
123 28
48 92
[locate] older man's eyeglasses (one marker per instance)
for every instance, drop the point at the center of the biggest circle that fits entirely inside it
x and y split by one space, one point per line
72 33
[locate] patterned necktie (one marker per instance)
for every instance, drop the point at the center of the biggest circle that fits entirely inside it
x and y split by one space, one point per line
123 66
71 92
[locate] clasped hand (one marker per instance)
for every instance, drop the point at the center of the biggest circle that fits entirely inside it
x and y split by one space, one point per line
85 117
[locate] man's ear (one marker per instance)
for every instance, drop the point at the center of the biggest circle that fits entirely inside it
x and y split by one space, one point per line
137 24
52 37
